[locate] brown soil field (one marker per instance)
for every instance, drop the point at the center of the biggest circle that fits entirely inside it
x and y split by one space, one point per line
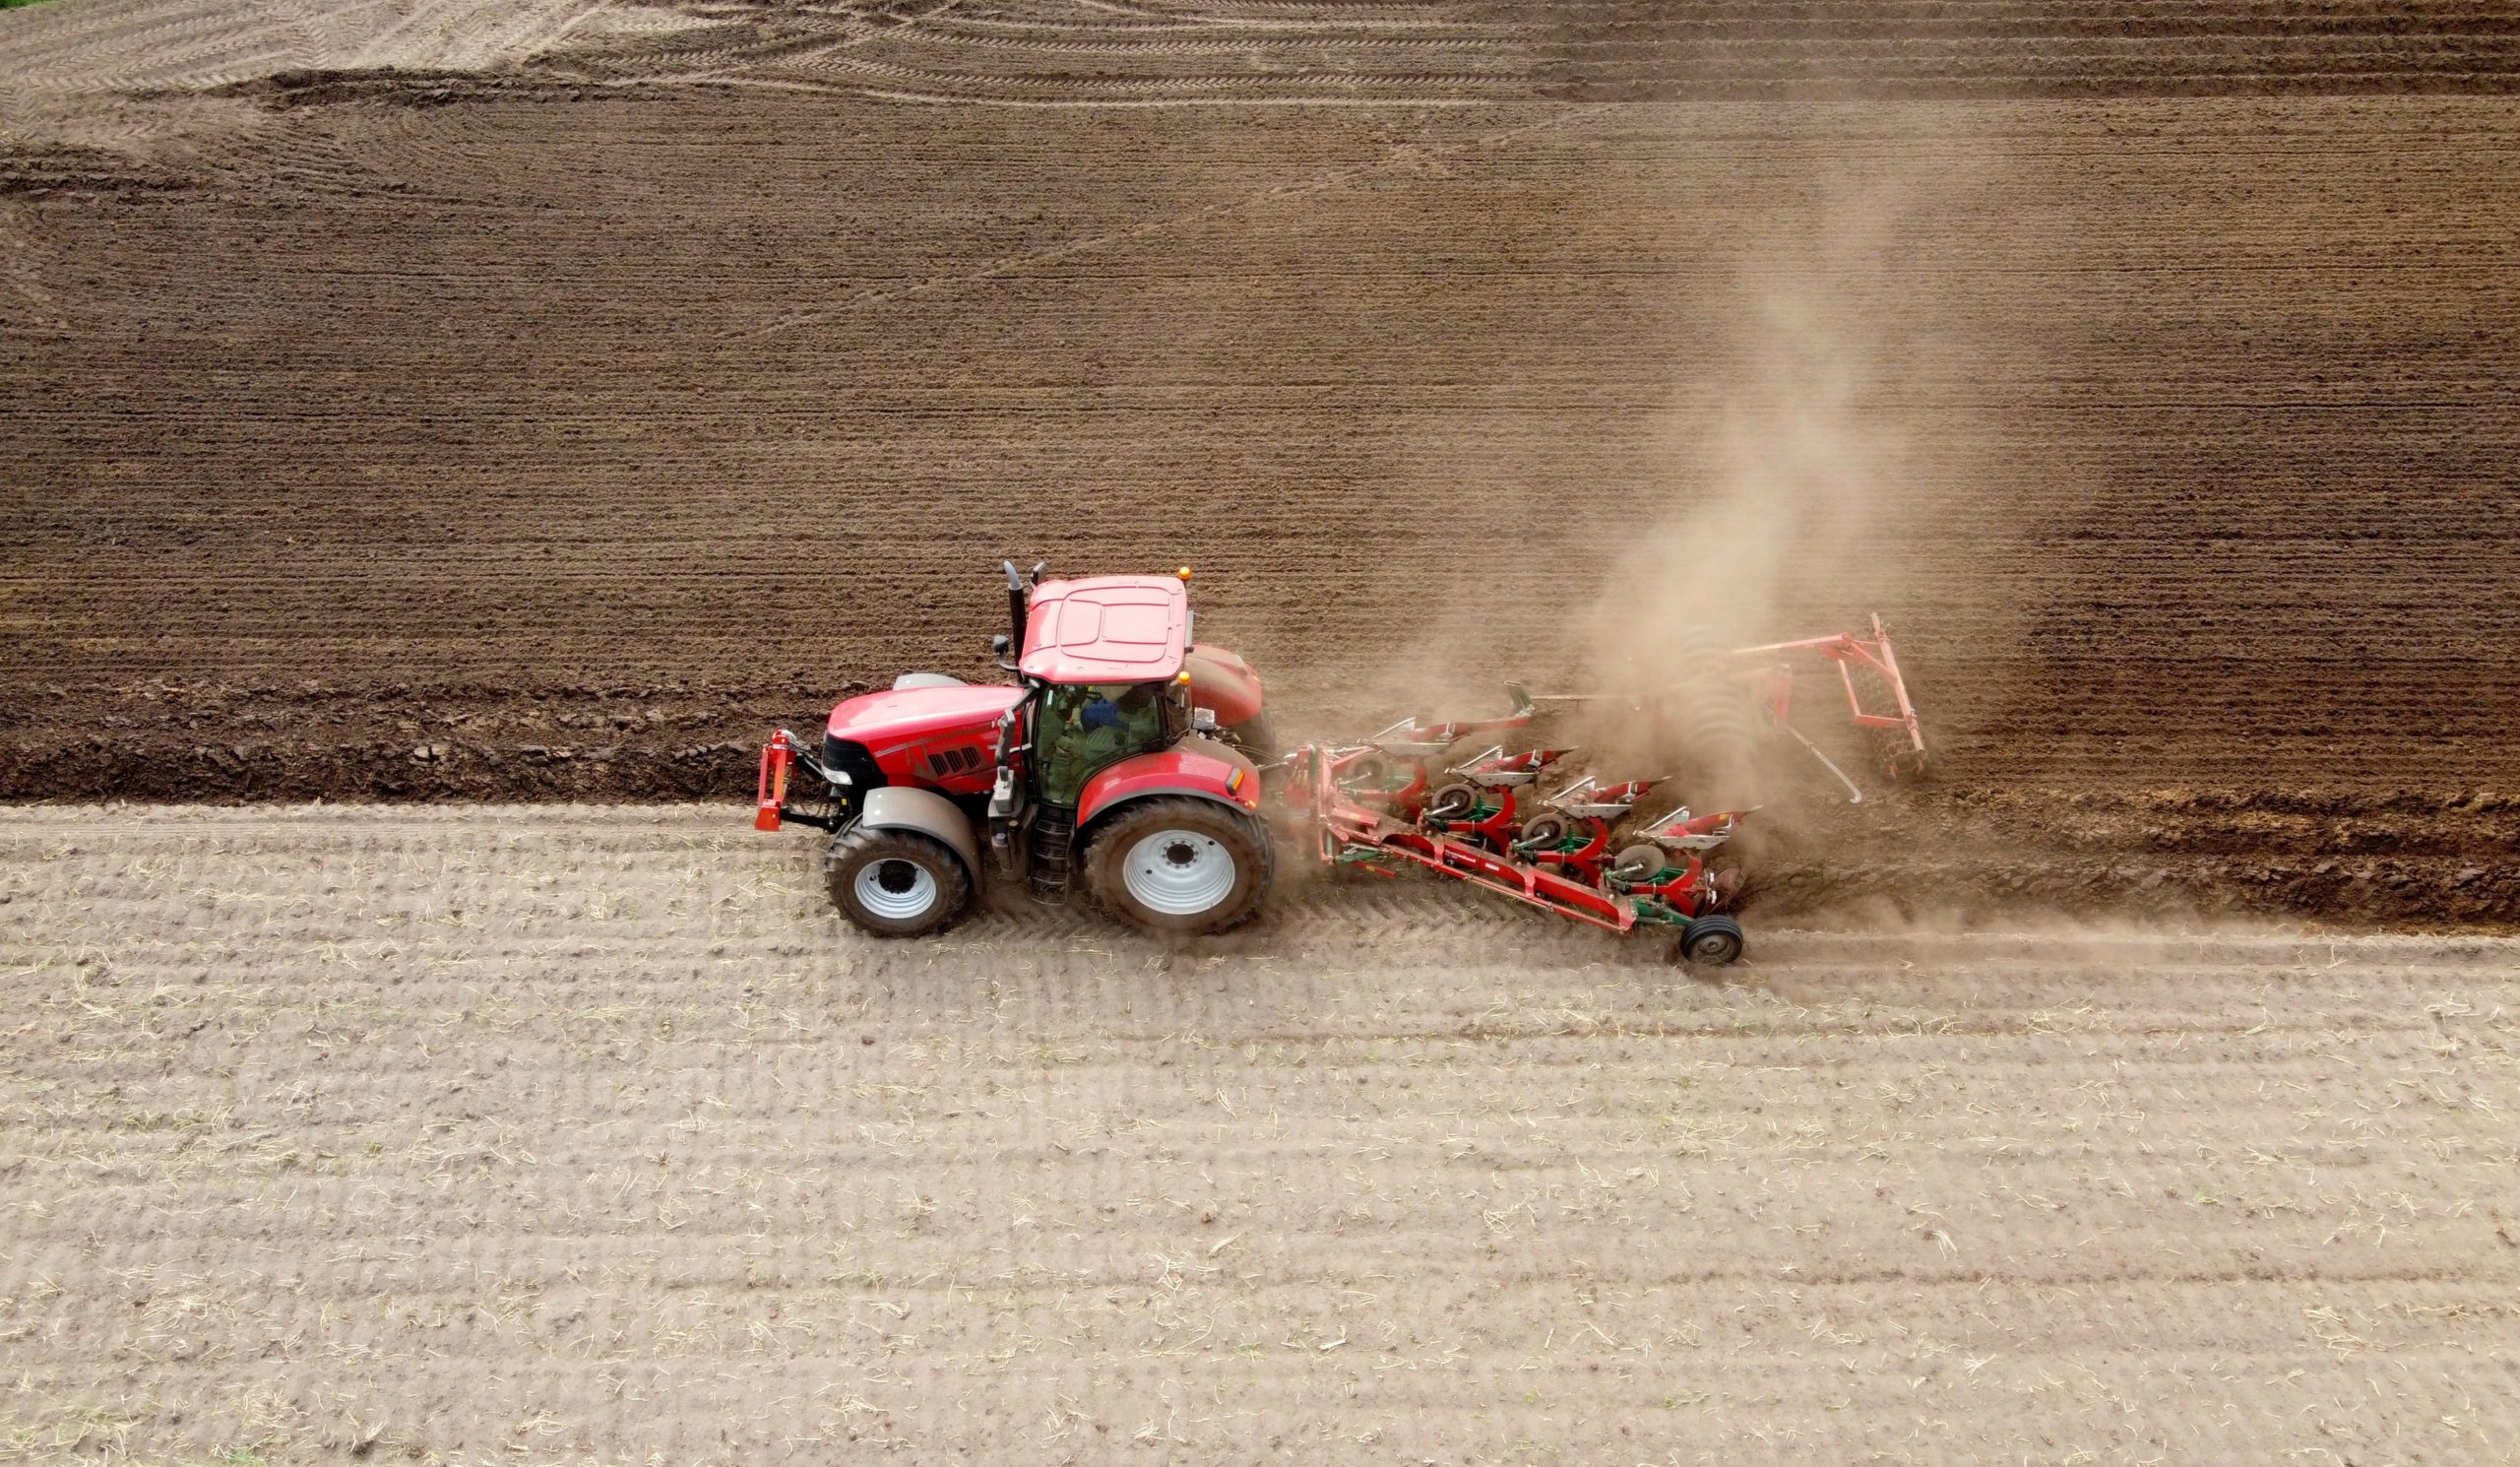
422 402
383 430
460 1134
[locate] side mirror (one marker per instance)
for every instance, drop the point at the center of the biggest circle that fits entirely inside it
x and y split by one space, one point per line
1203 720
999 643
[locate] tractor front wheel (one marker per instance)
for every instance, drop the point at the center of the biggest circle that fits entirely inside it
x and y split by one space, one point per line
895 883
1179 864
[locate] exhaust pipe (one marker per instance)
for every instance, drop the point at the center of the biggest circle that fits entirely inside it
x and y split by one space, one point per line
1018 602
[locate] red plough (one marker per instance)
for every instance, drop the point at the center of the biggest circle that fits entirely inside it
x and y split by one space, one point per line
1381 805
1573 830
1661 882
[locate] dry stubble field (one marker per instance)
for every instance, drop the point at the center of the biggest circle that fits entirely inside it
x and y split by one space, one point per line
528 1135
443 401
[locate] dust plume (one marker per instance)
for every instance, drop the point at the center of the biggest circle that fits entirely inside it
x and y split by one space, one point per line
1794 471
1797 506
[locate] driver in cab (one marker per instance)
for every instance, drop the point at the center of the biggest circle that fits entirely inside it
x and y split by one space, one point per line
1105 723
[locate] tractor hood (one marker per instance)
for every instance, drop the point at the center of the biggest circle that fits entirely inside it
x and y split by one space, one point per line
886 720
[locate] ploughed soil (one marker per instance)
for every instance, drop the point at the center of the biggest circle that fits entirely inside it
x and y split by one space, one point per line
389 419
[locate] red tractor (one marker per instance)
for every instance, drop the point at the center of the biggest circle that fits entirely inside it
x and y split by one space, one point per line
1129 757
1122 753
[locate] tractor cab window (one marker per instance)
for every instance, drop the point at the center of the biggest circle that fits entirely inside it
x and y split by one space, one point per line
1081 729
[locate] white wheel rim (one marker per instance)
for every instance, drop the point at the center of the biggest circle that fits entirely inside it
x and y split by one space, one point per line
1178 872
894 889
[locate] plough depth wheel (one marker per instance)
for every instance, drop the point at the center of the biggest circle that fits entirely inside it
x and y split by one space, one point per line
1711 941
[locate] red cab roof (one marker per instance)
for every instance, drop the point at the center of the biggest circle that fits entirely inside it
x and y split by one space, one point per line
1107 629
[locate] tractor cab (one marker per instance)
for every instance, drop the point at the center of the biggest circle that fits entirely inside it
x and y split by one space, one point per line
1105 655
1081 729
1111 712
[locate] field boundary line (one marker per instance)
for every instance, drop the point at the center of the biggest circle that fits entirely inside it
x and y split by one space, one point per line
1114 103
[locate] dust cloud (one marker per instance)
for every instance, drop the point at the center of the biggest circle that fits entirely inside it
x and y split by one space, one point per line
1790 486
1790 459
1796 473
1809 463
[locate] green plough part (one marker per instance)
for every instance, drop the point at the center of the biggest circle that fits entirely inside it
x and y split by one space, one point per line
1655 909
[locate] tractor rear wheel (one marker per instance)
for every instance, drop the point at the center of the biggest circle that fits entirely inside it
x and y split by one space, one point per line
1175 863
1711 941
895 883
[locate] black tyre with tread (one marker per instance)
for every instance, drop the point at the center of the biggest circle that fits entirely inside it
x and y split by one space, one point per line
894 864
1718 724
1241 836
1711 941
1695 650
1713 716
